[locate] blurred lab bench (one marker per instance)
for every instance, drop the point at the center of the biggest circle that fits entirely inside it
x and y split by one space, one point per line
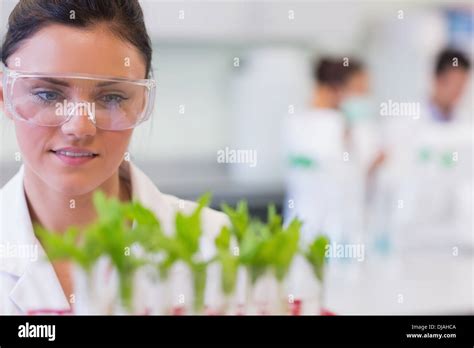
422 282
190 179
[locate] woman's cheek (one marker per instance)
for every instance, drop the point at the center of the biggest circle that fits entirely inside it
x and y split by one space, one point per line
115 146
31 141
35 142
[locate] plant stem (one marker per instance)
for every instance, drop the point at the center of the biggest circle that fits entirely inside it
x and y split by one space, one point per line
126 289
282 300
321 295
199 280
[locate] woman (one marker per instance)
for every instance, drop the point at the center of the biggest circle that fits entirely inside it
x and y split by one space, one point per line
76 82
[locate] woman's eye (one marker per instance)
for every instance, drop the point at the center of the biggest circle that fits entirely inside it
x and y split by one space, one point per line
113 98
47 96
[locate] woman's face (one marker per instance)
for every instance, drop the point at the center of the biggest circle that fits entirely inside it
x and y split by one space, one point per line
62 49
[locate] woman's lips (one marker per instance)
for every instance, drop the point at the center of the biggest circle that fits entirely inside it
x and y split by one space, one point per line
74 156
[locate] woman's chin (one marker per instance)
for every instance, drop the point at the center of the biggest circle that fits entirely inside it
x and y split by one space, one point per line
74 188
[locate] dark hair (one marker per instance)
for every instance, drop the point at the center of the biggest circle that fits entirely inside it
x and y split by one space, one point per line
333 72
354 66
445 59
124 16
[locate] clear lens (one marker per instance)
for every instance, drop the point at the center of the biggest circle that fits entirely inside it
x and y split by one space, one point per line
51 101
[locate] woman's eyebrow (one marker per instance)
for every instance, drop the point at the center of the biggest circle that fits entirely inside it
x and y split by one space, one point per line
54 81
106 83
66 84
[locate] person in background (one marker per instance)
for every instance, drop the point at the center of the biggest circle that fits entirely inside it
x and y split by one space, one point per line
451 75
325 186
315 146
365 152
438 154
359 111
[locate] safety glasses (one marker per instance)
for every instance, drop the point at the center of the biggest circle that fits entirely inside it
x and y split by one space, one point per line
53 99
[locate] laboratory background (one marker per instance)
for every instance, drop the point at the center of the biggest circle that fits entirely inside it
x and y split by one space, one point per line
244 110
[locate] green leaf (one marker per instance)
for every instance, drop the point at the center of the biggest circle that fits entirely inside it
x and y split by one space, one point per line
239 218
316 255
273 219
223 239
188 228
252 242
285 248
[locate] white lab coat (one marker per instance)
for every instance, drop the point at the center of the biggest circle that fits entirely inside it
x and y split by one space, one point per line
435 198
314 189
28 282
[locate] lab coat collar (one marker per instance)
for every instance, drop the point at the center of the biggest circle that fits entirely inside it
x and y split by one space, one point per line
146 192
37 287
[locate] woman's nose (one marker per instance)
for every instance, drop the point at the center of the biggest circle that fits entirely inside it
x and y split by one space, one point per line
81 121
